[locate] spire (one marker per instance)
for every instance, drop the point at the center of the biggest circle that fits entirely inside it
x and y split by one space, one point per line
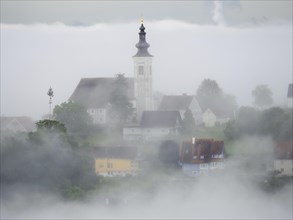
142 46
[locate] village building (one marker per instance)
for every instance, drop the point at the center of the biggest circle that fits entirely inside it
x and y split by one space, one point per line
116 161
94 93
289 100
212 119
201 156
283 158
154 125
17 124
181 103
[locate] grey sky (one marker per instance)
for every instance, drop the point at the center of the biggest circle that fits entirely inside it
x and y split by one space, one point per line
90 12
187 47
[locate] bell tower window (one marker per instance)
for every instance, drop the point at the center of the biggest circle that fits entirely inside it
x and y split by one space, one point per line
140 70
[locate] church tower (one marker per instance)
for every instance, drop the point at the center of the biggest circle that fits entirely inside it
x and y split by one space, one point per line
143 87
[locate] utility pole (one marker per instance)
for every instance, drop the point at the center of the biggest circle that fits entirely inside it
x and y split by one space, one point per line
50 94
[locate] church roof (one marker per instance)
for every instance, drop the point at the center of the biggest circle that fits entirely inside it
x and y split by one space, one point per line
160 119
142 46
96 92
290 91
175 102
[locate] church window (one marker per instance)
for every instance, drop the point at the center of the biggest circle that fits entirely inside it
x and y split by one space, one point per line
140 70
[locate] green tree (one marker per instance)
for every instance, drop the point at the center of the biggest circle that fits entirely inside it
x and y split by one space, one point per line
120 107
75 118
262 95
188 123
51 126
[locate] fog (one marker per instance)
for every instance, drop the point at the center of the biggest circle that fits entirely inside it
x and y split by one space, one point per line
37 56
237 192
229 196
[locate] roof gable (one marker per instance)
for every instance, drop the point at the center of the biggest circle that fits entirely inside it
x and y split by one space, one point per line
20 123
160 119
95 92
175 102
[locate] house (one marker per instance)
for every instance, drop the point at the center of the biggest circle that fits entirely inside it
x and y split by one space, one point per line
289 101
17 124
94 93
283 158
154 125
211 119
116 161
201 156
181 103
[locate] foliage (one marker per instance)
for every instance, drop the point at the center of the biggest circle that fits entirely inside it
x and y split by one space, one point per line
75 118
274 122
262 96
169 152
46 163
188 123
51 126
210 95
120 107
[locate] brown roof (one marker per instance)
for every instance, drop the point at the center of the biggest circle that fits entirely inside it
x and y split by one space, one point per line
283 150
115 152
203 150
95 92
160 119
175 102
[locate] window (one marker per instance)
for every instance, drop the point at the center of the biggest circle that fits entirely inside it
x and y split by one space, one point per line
140 70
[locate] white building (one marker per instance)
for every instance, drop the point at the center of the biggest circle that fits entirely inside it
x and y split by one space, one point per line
283 161
94 93
154 125
210 119
182 103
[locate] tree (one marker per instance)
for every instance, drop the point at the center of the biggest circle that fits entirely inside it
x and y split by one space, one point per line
262 96
51 126
188 123
210 95
169 152
75 118
120 107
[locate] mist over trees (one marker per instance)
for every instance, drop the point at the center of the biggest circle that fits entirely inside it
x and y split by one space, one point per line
75 118
210 95
120 107
188 123
262 95
274 122
47 159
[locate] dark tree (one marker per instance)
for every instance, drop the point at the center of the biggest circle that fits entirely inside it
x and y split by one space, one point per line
75 118
169 152
262 96
188 123
120 107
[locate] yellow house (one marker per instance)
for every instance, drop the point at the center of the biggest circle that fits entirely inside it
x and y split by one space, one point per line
116 161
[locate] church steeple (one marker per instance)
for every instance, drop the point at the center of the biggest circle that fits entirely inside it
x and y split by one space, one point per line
142 46
143 79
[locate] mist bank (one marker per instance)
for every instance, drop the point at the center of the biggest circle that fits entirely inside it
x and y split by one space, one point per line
35 57
228 196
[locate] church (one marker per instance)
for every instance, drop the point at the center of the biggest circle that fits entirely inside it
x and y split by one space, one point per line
94 93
